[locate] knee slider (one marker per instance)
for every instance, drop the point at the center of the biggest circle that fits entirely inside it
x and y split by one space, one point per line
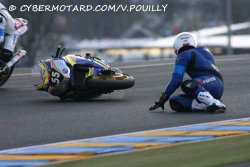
189 86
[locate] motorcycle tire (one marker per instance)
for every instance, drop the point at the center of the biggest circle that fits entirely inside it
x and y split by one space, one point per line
4 79
110 84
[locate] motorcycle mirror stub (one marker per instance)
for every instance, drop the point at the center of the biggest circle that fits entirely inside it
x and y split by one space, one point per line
88 55
59 52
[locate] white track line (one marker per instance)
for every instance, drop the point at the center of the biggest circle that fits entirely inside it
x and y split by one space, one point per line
142 66
24 74
123 134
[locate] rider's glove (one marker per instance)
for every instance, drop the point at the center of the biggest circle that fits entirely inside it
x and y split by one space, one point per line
6 55
160 102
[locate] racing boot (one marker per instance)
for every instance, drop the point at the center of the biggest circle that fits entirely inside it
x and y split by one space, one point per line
212 105
198 106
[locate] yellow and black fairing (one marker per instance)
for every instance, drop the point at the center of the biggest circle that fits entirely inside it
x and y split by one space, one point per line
96 64
93 65
54 81
70 60
45 75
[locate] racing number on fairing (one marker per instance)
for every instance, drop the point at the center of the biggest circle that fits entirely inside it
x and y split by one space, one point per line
55 77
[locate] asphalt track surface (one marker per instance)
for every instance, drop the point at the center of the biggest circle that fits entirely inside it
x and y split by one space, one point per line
28 117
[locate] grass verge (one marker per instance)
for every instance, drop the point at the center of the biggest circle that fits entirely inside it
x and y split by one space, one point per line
216 152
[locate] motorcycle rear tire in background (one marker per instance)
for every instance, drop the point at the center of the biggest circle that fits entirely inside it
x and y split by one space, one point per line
4 78
110 84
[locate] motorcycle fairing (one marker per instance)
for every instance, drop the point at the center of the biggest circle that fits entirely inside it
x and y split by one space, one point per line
70 60
61 67
46 76
77 59
55 71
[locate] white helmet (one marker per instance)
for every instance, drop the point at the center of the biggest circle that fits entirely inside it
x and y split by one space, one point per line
184 39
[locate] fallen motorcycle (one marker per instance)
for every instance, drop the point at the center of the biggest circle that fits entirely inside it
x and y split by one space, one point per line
76 76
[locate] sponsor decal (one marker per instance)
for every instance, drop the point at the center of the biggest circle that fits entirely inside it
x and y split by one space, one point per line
65 70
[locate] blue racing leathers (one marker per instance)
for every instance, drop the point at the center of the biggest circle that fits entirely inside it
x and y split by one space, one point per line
199 64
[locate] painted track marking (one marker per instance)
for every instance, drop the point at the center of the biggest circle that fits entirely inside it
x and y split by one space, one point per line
77 149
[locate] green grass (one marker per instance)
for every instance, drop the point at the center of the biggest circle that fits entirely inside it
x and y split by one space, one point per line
217 152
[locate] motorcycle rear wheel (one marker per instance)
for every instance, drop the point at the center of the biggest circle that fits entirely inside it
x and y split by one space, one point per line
5 78
110 83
